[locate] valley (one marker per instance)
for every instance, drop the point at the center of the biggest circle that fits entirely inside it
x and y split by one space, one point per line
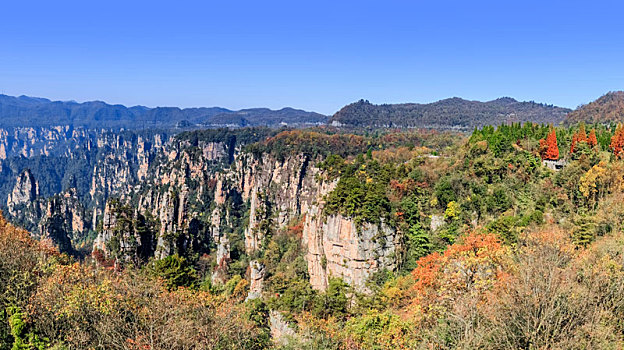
353 238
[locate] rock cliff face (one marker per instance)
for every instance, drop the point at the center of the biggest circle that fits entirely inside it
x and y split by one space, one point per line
123 163
48 176
257 274
337 248
294 189
177 193
30 142
281 332
199 202
60 218
152 195
24 205
64 222
24 193
125 234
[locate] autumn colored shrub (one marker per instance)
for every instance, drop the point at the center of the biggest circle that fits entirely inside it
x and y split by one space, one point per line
24 262
383 330
472 265
547 301
87 307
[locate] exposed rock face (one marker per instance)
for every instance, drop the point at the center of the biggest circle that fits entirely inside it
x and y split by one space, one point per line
281 331
64 222
109 221
124 235
60 218
282 191
177 189
30 142
337 248
278 192
188 196
257 274
23 205
24 192
95 164
436 222
123 164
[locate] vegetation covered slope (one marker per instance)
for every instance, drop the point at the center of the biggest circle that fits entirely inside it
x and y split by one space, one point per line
607 109
452 113
499 251
48 301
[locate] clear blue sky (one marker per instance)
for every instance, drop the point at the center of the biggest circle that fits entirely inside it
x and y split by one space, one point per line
315 55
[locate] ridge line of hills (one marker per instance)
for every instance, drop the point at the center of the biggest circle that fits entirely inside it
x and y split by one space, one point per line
35 111
448 114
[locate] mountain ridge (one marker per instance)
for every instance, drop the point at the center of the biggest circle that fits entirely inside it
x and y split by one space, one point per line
450 113
36 111
605 109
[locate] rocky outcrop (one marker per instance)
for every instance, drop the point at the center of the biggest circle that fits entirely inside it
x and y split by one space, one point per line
199 194
294 189
30 142
338 248
64 222
436 222
256 276
61 219
125 234
105 234
177 192
23 205
281 331
278 192
24 193
124 162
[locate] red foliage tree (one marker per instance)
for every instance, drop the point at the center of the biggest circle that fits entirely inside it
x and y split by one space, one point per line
617 142
592 140
548 148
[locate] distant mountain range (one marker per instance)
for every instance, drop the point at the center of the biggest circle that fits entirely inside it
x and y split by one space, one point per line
448 114
452 113
606 109
32 111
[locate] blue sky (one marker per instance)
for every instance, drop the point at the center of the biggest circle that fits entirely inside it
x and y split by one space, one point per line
314 55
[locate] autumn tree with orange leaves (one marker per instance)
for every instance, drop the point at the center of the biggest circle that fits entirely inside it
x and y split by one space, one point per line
592 140
581 137
471 265
617 142
548 148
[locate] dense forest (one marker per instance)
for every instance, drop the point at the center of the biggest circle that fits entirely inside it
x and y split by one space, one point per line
498 249
452 113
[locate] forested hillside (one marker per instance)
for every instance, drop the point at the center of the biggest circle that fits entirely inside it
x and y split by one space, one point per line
453 113
325 239
607 109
